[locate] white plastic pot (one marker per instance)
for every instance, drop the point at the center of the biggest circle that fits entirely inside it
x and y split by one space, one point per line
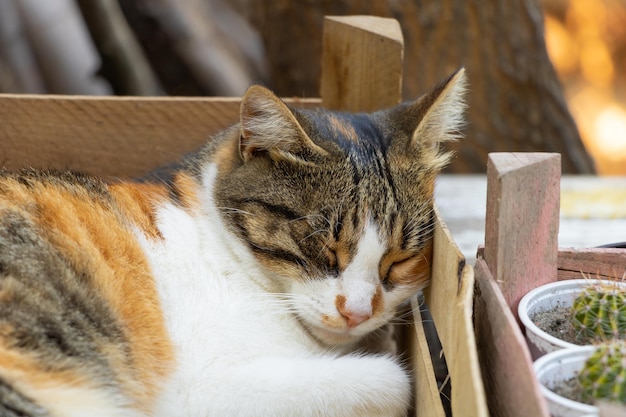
544 298
559 366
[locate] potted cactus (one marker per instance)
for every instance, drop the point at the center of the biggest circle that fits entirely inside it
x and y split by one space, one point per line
603 376
574 380
571 313
599 312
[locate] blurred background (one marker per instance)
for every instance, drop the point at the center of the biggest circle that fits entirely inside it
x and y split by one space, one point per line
544 75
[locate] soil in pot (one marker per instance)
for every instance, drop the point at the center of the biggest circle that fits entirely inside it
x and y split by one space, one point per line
557 322
570 389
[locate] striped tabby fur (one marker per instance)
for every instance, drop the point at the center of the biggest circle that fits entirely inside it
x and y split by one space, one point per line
243 285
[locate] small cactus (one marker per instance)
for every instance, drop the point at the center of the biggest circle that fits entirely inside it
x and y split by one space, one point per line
599 312
604 374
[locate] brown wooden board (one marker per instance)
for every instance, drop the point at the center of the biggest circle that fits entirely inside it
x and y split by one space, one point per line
362 62
522 221
427 398
449 298
603 263
109 136
504 358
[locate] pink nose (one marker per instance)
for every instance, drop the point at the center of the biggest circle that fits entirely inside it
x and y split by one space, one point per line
354 319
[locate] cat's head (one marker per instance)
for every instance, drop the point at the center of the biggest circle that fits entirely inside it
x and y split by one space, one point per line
337 207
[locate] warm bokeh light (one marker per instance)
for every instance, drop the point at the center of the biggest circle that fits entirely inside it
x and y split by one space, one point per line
609 131
564 51
584 40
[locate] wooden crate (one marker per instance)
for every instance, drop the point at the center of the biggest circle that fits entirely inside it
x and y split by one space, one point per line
118 137
521 252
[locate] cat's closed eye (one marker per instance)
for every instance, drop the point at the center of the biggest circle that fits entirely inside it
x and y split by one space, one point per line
414 268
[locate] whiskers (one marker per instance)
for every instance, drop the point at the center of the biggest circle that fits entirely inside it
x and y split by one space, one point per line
402 318
419 228
275 303
232 210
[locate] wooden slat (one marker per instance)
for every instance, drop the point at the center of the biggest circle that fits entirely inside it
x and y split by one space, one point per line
449 298
505 361
603 263
362 63
109 136
522 221
427 399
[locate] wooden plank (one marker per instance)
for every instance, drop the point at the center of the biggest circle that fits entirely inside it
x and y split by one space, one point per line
449 298
427 399
603 263
522 221
362 62
504 358
109 136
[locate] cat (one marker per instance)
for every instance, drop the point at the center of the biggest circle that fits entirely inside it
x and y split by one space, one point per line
243 285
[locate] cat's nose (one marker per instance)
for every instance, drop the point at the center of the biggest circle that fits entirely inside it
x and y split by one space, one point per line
354 319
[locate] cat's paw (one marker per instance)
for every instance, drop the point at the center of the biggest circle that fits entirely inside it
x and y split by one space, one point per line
385 386
344 386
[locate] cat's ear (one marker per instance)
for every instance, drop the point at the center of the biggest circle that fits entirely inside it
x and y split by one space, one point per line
268 125
435 117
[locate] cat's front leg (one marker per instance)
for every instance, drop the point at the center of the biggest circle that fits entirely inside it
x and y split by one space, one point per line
349 386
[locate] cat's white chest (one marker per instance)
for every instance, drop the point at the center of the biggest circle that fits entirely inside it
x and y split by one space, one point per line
215 314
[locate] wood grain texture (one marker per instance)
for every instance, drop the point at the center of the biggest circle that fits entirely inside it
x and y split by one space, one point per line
522 221
504 358
361 63
449 298
603 263
109 136
427 400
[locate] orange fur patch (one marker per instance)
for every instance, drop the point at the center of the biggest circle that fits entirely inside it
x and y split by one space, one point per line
188 189
335 322
342 252
138 202
92 235
346 130
340 302
26 369
227 156
378 303
411 271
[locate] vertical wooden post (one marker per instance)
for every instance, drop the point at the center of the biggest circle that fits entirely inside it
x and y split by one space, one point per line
522 223
362 63
505 362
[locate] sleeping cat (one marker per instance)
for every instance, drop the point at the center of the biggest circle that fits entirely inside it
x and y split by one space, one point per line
242 286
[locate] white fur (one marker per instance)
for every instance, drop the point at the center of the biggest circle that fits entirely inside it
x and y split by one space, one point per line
444 119
361 279
240 351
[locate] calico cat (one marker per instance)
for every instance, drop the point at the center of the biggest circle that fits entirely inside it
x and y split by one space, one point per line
243 286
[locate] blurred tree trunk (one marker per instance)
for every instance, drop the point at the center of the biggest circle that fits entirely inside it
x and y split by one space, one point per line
516 101
197 47
123 61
